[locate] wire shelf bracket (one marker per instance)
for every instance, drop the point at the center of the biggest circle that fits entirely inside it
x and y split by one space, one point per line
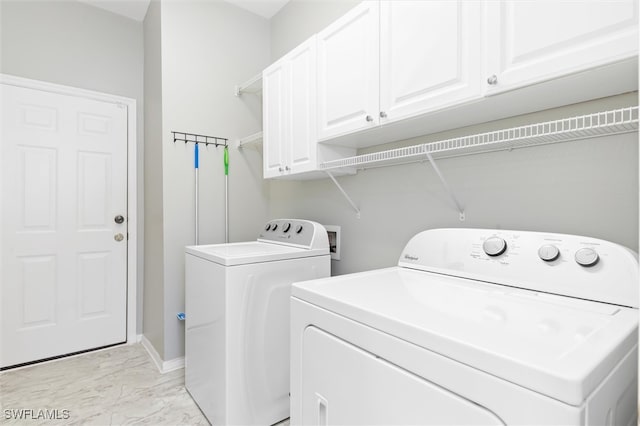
253 85
344 193
199 139
251 140
447 188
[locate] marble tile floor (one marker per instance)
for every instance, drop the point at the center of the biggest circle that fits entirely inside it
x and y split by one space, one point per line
116 386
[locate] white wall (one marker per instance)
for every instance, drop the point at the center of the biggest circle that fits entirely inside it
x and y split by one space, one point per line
299 19
70 43
585 187
153 225
207 49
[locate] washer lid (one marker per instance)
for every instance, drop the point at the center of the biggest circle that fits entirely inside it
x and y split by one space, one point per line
250 252
558 346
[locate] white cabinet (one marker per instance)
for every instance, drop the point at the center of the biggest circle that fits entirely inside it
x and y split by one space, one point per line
430 56
302 105
533 41
274 113
348 76
390 60
289 113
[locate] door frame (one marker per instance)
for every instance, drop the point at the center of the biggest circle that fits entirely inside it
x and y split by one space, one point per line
132 161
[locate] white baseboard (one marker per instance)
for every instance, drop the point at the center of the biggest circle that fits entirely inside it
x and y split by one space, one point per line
163 366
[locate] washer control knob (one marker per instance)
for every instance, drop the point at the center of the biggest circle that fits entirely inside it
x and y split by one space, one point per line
494 246
298 229
548 252
266 228
587 257
286 227
274 226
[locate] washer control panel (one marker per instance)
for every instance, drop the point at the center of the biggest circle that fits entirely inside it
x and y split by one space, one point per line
494 246
297 232
569 265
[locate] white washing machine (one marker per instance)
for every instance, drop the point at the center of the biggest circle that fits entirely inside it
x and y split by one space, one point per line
472 327
237 320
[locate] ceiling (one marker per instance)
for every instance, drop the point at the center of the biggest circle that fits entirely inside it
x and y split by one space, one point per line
264 8
137 9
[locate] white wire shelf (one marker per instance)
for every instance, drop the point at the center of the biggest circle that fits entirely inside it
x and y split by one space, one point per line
253 85
605 123
251 140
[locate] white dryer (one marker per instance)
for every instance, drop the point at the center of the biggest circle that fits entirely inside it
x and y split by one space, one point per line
472 327
237 320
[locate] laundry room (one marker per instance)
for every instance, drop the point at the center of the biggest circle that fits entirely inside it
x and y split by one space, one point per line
209 207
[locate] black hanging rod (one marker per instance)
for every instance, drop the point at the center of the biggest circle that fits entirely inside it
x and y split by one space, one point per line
203 139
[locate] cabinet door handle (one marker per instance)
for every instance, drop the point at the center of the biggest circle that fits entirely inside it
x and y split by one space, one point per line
493 80
369 118
383 114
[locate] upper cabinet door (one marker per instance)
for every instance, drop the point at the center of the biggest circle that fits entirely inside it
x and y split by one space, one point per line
430 56
348 72
273 118
302 116
532 41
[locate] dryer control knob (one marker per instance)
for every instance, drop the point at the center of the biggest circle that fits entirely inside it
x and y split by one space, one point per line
548 252
299 229
494 246
587 257
274 226
266 228
286 227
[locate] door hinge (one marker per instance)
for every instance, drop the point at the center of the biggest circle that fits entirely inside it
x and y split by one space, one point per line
127 236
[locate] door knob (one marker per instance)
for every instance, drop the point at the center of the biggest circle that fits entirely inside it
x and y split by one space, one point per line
369 118
118 237
493 80
119 219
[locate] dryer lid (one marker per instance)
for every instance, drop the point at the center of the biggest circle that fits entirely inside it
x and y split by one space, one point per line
556 345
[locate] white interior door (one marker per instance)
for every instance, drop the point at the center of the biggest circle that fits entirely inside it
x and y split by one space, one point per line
64 180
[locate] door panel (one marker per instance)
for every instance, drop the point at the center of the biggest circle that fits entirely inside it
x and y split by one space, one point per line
274 110
38 195
430 55
348 72
345 385
37 280
302 116
64 178
532 41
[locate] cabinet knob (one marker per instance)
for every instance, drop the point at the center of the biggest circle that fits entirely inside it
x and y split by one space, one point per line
383 114
287 168
369 118
280 169
493 80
